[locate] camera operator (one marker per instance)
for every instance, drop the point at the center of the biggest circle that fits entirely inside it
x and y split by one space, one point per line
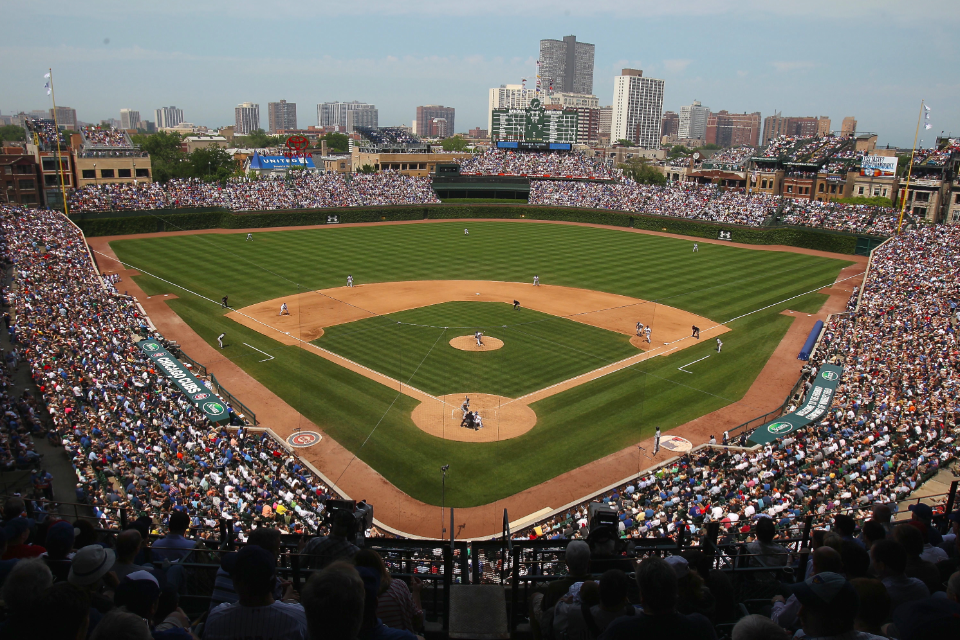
320 552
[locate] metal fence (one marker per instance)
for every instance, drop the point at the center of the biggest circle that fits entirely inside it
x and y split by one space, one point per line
241 408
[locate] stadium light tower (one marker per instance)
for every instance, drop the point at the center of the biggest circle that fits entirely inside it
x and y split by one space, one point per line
443 492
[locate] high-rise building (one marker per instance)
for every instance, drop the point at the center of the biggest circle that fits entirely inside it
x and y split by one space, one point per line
361 118
801 127
588 108
566 65
733 129
168 117
129 119
66 117
823 126
281 115
693 121
508 96
246 118
427 113
637 109
606 117
334 114
670 124
849 126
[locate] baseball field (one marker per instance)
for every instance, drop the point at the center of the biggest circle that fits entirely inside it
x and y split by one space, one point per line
375 368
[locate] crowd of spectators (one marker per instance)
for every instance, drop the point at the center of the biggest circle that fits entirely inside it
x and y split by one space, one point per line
556 165
856 218
46 132
137 444
732 158
304 191
105 136
387 135
894 422
682 200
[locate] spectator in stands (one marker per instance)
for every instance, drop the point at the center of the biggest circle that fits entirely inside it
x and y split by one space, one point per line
911 539
604 555
372 627
139 593
59 544
924 513
577 559
874 607
72 613
856 560
845 526
871 531
22 593
174 546
692 595
398 605
953 587
5 565
122 625
660 619
786 611
883 515
257 613
763 551
721 587
757 627
333 600
90 571
223 589
127 547
926 619
889 564
828 607
17 532
322 551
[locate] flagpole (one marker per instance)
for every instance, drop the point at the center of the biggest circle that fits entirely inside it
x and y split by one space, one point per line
913 151
63 187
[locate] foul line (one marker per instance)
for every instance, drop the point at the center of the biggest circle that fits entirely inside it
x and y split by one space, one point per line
694 362
269 357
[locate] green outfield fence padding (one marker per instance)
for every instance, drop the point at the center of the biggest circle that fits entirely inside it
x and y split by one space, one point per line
136 222
816 406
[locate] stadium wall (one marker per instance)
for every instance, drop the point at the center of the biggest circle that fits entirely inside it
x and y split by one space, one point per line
135 222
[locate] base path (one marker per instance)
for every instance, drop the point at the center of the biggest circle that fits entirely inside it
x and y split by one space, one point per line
413 517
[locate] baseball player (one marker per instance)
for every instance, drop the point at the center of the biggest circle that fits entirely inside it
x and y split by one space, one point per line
516 305
466 232
223 301
479 336
719 345
536 281
726 437
648 331
349 281
696 332
696 248
465 406
220 339
656 442
639 329
477 421
249 237
283 309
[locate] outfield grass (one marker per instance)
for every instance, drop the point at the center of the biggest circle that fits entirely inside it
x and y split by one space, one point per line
539 349
574 427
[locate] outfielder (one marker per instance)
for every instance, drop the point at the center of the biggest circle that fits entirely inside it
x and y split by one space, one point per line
283 309
349 281
536 281
696 248
466 232
249 237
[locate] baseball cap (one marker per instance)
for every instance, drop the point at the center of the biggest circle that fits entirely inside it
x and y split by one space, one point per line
679 565
827 590
930 617
923 511
90 564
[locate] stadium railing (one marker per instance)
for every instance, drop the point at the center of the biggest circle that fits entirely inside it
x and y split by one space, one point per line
231 399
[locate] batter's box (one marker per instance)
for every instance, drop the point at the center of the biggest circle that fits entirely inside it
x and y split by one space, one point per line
304 439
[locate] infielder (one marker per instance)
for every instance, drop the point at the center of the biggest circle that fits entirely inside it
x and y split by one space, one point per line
479 336
516 305
223 301
536 281
349 281
696 248
648 331
696 332
220 339
639 329
283 309
719 345
249 237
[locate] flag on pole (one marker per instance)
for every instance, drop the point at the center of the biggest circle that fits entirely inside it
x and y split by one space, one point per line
46 85
927 126
927 107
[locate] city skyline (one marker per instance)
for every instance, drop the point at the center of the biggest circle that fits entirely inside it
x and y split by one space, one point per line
815 67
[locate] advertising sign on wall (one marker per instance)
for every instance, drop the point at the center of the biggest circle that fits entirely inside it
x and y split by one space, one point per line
878 166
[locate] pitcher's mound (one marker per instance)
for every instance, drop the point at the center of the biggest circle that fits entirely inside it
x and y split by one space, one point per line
469 343
503 418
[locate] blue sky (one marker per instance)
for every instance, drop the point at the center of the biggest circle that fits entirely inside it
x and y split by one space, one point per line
874 60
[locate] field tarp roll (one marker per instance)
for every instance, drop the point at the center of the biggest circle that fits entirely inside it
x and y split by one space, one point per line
818 403
811 340
194 389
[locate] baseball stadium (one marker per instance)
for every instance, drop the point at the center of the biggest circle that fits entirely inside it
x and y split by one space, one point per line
467 386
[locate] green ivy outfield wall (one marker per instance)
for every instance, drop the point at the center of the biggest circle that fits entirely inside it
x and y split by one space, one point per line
134 222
